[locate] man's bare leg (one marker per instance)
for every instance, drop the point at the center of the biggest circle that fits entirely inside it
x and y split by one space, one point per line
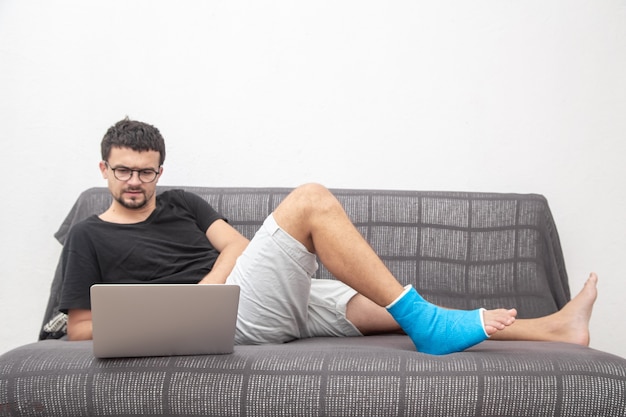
570 324
313 216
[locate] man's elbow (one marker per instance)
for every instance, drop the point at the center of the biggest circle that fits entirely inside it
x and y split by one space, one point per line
75 335
79 325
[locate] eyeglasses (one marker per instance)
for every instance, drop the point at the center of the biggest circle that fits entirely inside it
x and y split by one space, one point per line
124 174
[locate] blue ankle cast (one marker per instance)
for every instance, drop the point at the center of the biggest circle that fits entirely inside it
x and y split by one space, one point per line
436 330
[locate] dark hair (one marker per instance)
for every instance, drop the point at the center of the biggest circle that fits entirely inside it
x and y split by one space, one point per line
135 135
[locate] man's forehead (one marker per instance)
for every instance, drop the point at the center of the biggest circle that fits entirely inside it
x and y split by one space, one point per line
123 155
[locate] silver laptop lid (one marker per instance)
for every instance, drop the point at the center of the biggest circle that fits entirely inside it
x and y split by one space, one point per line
131 320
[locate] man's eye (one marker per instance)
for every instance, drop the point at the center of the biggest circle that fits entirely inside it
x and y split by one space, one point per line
146 172
123 171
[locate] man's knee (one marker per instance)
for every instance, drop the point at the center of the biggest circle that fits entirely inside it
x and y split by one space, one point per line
303 208
313 196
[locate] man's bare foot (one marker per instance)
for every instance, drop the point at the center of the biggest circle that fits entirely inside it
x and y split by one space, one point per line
499 319
571 323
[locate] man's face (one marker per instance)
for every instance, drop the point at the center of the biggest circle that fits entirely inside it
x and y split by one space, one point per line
130 191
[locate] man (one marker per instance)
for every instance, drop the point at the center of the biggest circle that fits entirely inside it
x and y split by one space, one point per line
178 238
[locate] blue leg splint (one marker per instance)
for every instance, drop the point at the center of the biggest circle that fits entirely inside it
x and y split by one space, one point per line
436 330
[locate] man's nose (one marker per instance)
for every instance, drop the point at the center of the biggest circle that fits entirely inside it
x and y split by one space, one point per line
134 178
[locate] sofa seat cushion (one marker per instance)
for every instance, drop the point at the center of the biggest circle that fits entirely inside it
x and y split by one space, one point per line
381 375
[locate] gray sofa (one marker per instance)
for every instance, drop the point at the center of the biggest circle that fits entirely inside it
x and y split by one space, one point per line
462 250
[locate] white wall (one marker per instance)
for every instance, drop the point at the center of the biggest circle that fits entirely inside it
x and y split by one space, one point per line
448 95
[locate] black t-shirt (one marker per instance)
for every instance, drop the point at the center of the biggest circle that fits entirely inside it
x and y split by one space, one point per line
170 246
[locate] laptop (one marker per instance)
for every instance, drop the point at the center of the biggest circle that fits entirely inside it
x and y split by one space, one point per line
132 320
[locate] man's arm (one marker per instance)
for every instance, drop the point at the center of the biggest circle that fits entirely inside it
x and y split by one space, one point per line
79 325
230 244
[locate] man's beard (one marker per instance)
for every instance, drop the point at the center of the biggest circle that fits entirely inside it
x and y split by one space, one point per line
133 203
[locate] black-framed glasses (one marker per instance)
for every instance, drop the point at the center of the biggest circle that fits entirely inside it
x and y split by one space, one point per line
124 174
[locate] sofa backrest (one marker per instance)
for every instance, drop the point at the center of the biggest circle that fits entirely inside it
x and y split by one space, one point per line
459 249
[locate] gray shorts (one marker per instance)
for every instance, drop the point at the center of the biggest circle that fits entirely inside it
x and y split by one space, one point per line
279 300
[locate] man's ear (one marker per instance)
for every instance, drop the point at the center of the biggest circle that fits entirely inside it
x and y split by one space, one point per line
104 170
